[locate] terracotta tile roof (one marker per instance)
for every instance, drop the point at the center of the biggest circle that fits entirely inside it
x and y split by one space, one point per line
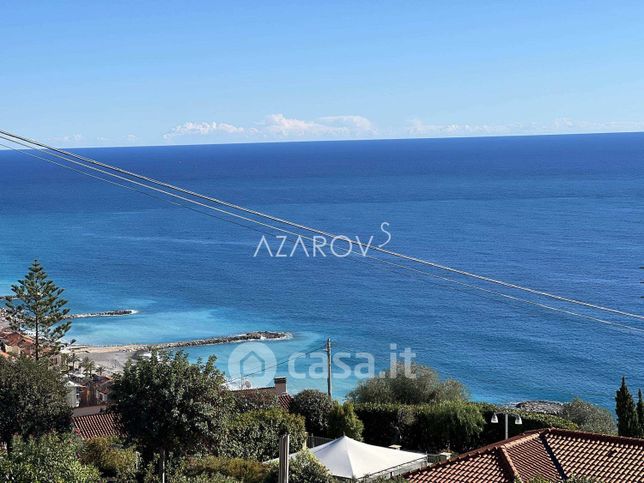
607 458
16 339
487 467
95 425
285 400
554 454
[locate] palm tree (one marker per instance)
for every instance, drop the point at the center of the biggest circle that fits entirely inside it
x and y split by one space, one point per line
89 366
73 359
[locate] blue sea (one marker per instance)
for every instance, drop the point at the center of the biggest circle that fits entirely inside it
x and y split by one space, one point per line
557 213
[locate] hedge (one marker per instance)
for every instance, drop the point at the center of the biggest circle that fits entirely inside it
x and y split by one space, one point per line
426 427
255 434
459 426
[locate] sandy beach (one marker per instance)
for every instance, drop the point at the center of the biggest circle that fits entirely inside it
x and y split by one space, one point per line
113 358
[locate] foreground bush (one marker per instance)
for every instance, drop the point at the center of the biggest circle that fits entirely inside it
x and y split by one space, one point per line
343 421
315 406
396 387
303 468
248 471
112 460
255 434
32 400
50 459
168 406
251 400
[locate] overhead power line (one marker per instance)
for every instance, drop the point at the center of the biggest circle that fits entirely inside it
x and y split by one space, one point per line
111 170
356 257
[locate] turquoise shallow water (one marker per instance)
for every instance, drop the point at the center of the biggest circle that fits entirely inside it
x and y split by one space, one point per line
562 214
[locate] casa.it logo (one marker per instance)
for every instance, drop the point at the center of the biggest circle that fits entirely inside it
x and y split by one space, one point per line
252 359
340 246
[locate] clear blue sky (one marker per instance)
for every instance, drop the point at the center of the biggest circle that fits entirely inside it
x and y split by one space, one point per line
81 73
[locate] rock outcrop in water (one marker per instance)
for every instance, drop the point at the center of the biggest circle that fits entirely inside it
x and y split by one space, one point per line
249 336
107 313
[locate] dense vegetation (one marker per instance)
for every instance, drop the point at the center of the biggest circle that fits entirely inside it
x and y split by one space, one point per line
180 419
421 386
32 400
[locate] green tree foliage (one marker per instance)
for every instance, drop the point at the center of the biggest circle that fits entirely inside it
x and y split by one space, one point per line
428 427
248 471
303 468
449 425
627 423
166 405
462 425
589 417
112 459
315 406
640 412
32 399
177 472
422 385
255 434
250 400
39 307
50 459
343 421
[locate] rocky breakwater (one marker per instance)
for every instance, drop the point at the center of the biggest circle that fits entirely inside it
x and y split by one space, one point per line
227 339
107 313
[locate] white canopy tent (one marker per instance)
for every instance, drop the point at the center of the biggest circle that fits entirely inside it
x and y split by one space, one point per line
352 460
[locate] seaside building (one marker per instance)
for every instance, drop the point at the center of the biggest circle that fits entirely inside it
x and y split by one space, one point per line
554 454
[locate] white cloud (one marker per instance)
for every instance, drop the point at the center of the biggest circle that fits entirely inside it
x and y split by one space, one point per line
418 128
202 129
278 126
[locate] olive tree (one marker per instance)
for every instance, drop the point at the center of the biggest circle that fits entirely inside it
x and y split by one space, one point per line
167 406
32 400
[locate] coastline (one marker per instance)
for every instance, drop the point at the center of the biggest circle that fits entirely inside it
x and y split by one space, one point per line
226 339
112 358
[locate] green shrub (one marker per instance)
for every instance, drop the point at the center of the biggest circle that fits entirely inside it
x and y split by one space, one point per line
303 468
432 427
450 425
385 424
397 387
427 427
343 421
248 471
315 406
255 434
589 417
51 458
251 400
113 460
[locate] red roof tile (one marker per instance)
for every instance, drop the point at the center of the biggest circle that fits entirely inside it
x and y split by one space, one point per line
555 454
95 425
